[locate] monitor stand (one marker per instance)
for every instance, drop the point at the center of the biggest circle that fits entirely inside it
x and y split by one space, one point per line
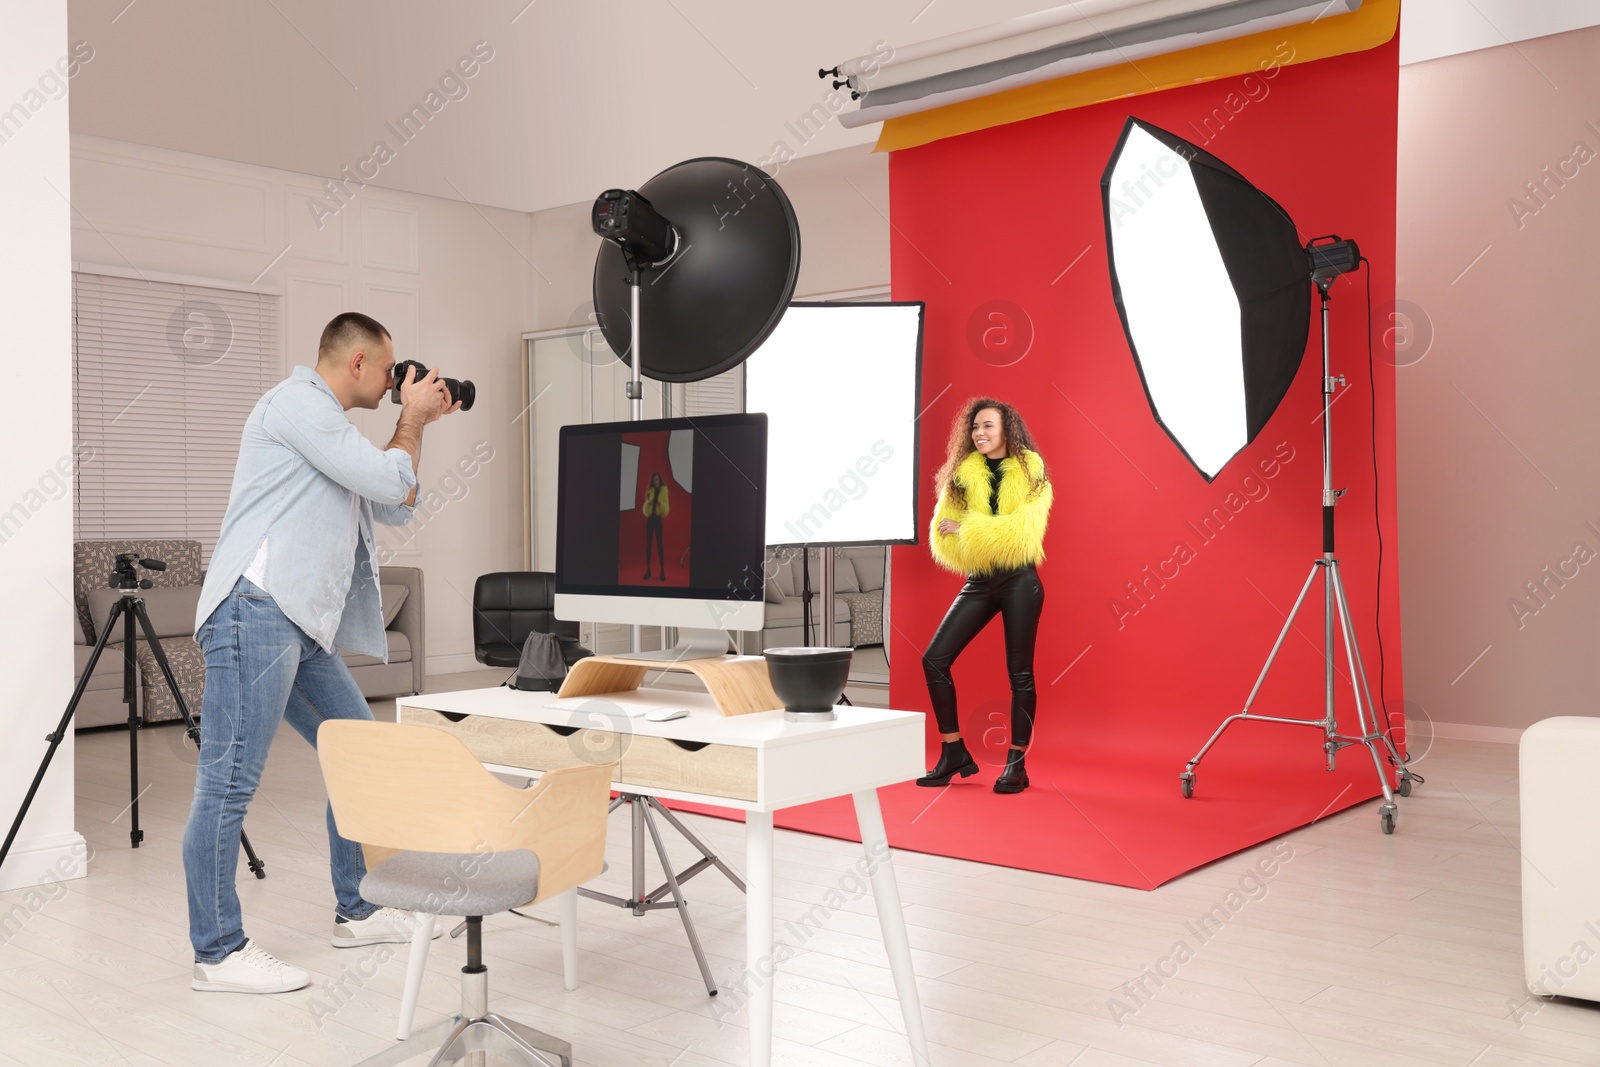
738 685
692 643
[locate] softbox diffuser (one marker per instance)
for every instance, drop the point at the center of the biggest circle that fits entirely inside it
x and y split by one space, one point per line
1213 288
839 384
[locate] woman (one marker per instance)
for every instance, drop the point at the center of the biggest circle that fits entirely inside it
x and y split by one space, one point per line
994 503
655 509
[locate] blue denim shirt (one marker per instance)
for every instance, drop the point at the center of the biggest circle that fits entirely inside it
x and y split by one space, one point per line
310 485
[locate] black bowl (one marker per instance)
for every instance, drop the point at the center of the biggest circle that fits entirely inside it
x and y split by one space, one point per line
809 681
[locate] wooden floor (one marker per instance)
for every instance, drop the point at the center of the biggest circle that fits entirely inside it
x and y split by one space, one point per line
1358 949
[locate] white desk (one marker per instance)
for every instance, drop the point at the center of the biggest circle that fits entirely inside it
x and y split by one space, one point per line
756 763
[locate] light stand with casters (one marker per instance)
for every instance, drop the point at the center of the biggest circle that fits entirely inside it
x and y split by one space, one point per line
127 609
1334 603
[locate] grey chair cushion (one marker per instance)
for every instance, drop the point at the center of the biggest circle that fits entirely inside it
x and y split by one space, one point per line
171 609
454 883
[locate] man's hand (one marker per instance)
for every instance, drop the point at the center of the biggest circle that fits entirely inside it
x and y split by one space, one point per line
421 403
424 401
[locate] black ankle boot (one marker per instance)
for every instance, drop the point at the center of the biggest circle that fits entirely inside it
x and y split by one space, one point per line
954 759
1014 779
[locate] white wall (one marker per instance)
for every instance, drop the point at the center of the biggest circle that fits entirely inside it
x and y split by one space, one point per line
449 280
35 435
1498 203
1430 29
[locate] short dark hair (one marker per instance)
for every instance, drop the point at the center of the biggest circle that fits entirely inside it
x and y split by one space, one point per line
348 330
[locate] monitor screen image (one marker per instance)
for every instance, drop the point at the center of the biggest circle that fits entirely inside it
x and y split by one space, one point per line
663 522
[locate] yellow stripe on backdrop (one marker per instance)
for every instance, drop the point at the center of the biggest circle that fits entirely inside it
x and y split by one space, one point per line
1373 24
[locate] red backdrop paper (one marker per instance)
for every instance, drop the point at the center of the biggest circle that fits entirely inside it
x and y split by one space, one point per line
1140 657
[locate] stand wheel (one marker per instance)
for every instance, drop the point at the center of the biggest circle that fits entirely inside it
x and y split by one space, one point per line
1386 819
1404 789
1186 782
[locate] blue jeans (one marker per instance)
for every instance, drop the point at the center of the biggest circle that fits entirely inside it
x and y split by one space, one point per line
260 670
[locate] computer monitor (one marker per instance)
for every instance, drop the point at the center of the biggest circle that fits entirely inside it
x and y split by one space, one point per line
662 522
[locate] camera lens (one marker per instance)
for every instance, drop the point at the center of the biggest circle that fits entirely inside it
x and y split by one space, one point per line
461 391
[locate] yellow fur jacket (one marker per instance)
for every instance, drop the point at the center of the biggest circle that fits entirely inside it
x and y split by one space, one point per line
988 542
659 506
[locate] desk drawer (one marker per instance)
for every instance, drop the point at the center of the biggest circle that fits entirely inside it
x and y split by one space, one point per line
716 770
535 746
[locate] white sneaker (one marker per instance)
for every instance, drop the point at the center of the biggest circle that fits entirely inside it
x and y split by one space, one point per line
248 970
384 926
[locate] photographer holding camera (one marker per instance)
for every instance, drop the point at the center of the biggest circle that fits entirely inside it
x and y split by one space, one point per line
294 578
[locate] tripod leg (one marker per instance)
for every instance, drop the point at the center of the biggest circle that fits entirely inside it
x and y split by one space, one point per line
130 697
60 733
667 813
1388 742
1358 683
1288 624
677 895
257 866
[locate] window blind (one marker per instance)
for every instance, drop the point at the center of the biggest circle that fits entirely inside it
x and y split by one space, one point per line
722 394
164 376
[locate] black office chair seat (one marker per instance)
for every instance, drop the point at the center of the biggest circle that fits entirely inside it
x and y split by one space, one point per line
507 606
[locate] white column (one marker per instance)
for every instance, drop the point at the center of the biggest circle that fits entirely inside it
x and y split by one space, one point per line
36 440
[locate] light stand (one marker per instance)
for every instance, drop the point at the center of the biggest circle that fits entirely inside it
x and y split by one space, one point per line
127 609
647 240
1334 603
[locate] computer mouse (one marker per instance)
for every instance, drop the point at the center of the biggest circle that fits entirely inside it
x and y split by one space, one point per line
665 714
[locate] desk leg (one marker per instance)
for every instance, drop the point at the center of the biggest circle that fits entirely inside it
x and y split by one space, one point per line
758 933
892 920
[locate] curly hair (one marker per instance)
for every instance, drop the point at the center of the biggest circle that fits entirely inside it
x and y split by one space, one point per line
960 446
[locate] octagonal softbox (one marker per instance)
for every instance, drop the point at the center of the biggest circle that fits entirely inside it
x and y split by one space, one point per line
1212 286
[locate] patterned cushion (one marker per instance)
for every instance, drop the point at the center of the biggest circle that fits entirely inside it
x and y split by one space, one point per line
188 665
866 617
93 562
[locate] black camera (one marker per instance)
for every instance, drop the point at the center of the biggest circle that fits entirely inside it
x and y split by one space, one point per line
124 577
463 393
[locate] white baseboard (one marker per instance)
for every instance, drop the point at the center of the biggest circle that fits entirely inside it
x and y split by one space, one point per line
45 860
1463 731
455 663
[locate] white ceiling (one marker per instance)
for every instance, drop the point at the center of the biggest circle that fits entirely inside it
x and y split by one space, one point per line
580 95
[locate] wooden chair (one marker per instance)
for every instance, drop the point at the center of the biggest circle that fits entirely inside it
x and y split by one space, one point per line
444 836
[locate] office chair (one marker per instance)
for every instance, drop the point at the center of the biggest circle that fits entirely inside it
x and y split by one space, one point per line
509 605
444 836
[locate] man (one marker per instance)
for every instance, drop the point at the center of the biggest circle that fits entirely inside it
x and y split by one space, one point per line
294 578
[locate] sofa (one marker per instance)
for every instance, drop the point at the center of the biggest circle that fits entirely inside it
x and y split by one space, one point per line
404 615
171 604
858 585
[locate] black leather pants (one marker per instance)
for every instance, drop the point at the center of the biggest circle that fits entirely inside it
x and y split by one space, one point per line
652 531
1018 598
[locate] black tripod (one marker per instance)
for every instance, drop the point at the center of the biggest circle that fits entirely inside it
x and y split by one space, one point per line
131 606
